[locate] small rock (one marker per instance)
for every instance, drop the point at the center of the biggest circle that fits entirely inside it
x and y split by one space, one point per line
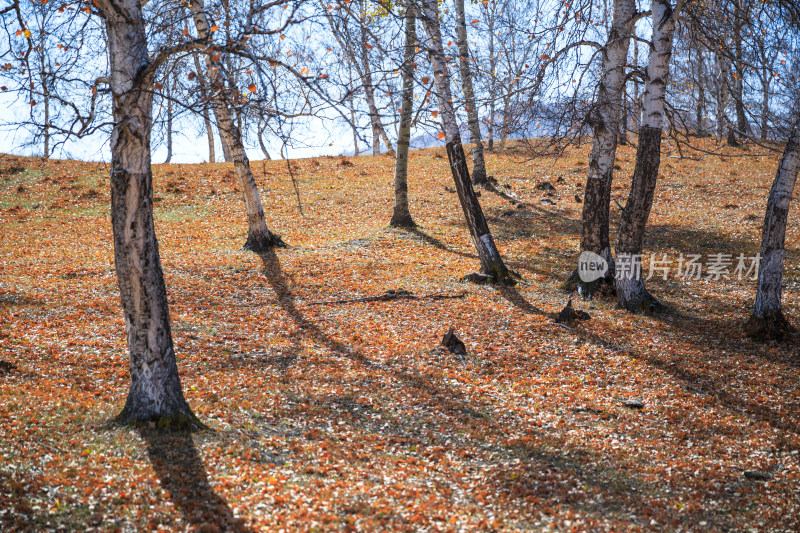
633 404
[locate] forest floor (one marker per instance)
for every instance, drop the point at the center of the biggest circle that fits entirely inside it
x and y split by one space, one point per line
348 416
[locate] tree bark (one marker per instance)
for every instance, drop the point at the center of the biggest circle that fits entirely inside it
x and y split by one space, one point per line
378 131
492 85
155 393
402 216
259 237
723 123
767 320
169 129
478 162
201 82
491 263
738 67
631 291
605 119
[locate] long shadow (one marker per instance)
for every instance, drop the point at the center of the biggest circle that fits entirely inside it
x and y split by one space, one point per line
436 243
181 471
694 379
448 399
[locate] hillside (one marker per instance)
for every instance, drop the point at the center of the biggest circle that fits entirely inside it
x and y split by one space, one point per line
346 416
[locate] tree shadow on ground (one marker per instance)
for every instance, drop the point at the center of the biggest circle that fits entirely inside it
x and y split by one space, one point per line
418 235
182 474
553 462
687 373
449 399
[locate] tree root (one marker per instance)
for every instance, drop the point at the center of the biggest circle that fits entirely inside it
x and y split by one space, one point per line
769 327
261 243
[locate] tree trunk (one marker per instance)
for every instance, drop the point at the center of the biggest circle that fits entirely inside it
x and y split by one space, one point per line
491 263
478 162
45 93
155 393
605 125
353 126
504 125
226 149
492 86
765 84
378 131
723 123
201 82
169 129
767 320
259 237
738 67
631 291
402 216
701 95
263 146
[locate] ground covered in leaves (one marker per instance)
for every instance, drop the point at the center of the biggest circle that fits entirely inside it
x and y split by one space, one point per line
346 416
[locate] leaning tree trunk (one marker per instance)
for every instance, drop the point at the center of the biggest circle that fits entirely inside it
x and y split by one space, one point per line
402 216
201 82
491 263
259 237
155 393
631 291
605 119
478 162
767 320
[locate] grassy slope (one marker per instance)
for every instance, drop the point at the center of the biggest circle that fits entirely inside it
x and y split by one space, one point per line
344 416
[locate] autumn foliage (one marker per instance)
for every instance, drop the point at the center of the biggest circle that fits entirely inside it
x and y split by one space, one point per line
350 416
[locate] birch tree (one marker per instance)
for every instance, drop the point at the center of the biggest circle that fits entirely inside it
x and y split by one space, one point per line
155 392
478 162
259 237
402 216
492 264
604 119
767 320
631 291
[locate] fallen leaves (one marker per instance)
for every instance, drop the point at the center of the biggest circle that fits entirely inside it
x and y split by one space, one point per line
348 416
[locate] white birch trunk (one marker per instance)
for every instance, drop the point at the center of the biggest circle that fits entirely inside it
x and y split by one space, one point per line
767 320
478 162
402 216
155 393
631 291
491 263
259 237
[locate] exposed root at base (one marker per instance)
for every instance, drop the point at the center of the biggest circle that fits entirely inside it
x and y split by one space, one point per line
262 244
769 327
181 421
